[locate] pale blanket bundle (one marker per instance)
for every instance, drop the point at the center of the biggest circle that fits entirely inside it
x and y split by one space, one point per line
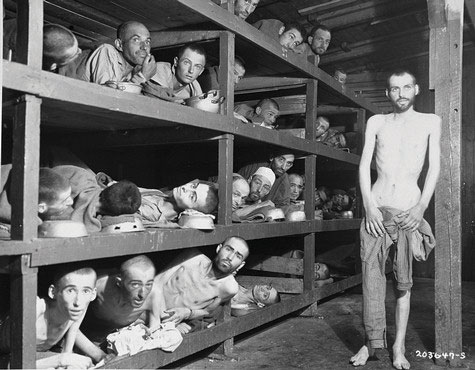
133 339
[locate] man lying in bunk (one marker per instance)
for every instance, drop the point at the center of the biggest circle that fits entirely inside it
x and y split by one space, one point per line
289 35
54 197
194 286
177 82
122 299
60 46
244 8
94 202
59 315
249 300
209 79
264 114
260 184
160 209
240 191
279 163
129 59
317 42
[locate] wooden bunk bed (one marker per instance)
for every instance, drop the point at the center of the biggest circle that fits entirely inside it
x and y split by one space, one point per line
96 114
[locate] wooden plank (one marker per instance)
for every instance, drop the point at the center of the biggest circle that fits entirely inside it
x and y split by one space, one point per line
284 265
25 171
54 251
225 179
283 285
309 6
29 42
338 287
165 38
23 314
470 10
226 72
446 18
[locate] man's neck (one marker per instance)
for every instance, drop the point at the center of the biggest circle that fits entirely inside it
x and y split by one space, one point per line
214 272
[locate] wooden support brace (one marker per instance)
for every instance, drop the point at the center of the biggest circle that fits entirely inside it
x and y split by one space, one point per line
25 171
446 22
225 178
226 71
23 314
29 43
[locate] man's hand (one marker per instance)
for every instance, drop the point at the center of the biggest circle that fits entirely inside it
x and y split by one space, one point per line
411 219
149 67
177 314
183 328
74 361
374 222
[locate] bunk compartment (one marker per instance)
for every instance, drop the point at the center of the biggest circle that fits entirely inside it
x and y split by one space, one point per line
89 118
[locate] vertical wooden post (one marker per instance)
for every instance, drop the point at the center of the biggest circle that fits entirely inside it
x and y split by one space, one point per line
310 181
446 26
225 178
29 43
226 68
25 159
23 314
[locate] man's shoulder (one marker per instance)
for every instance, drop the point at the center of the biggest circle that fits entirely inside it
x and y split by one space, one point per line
163 75
105 49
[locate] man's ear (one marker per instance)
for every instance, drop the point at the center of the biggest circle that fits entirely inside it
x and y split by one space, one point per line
258 110
386 92
94 294
310 40
175 62
218 248
417 89
118 281
51 291
118 44
42 207
281 30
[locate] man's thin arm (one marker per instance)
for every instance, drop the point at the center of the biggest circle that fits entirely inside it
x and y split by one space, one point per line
365 164
434 165
89 348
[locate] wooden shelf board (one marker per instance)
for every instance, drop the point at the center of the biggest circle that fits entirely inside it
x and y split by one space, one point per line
61 250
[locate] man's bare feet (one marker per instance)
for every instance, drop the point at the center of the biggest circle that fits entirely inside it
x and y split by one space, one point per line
399 360
362 356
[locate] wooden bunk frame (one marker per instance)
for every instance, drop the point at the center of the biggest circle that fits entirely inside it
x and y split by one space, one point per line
51 98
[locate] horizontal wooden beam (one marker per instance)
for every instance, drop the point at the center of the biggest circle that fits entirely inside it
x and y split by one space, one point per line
282 285
173 38
309 7
284 265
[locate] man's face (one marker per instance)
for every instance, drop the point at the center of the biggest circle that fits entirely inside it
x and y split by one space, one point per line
137 284
73 294
402 92
296 186
135 45
340 77
240 192
265 294
321 271
231 255
269 113
239 72
189 66
259 187
321 126
62 203
282 164
319 43
191 195
340 202
290 38
243 8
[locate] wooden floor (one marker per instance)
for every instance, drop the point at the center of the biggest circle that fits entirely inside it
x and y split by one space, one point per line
328 340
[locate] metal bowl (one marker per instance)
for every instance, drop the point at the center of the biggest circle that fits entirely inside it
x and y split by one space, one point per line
62 229
208 102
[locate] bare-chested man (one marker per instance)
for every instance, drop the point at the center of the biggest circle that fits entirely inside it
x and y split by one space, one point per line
401 140
194 286
122 298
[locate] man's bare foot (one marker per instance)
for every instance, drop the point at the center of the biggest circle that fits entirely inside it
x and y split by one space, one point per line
399 360
362 356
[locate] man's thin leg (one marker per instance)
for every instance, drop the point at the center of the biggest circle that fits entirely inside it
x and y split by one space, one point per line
402 316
